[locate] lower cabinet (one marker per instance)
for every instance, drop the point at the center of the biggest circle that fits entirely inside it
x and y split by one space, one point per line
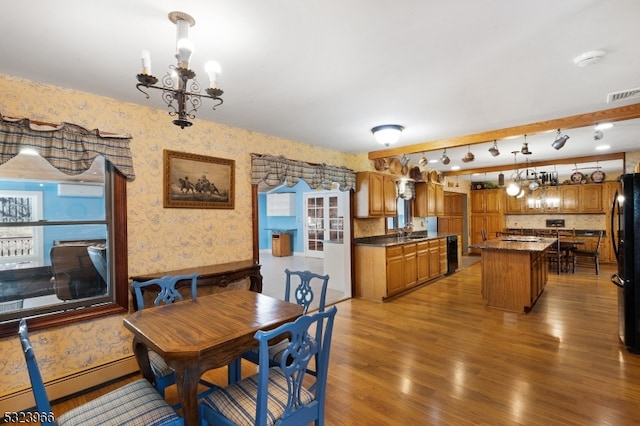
382 272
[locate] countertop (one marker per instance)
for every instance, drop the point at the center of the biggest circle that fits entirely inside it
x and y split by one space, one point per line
579 232
516 243
394 240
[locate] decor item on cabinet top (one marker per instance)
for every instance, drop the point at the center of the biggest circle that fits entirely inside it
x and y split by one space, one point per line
179 85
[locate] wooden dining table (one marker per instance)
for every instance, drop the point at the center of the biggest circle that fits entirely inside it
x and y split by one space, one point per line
209 332
565 246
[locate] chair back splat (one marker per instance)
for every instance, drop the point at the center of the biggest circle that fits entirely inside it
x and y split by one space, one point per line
303 292
277 394
136 403
166 287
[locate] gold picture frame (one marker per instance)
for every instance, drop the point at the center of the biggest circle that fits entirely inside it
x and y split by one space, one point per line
195 181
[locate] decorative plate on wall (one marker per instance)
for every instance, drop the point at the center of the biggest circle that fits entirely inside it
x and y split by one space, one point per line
577 177
597 176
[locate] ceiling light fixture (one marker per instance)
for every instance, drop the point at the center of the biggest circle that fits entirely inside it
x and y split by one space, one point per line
180 89
387 134
445 158
589 58
494 149
560 140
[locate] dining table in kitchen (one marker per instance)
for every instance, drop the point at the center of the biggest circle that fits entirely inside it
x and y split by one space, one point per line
566 245
205 333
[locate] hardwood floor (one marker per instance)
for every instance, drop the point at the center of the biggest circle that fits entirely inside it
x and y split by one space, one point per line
438 356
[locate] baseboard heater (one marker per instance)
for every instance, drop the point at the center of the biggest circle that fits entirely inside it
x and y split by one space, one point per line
72 384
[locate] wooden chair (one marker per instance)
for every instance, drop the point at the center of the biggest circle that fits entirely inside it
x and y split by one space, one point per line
588 255
278 395
304 296
167 293
555 255
136 403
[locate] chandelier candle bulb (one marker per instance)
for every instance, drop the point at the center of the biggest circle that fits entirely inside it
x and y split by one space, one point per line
146 62
213 69
185 49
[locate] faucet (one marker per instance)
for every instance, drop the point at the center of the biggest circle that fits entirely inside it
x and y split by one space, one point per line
407 229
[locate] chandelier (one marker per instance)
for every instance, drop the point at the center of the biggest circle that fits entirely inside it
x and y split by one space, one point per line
180 89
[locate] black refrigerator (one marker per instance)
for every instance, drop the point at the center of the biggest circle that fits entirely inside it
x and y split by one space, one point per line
625 235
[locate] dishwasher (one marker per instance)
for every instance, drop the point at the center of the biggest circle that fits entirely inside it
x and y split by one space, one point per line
452 254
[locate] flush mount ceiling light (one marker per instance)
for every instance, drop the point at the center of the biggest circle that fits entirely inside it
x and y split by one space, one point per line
387 133
603 126
589 58
445 158
494 149
560 140
180 89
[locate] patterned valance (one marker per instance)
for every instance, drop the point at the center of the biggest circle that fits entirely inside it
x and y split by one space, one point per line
67 147
274 171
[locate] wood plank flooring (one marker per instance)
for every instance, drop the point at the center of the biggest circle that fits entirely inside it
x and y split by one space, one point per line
438 356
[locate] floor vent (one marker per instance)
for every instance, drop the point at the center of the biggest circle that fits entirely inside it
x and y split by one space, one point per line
622 95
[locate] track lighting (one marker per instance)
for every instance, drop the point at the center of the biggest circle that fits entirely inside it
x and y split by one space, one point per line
525 147
469 157
560 140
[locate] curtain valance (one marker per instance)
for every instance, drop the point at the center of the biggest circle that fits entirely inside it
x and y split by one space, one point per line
67 147
273 171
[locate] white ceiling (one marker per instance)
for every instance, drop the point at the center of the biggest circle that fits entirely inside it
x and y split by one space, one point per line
325 72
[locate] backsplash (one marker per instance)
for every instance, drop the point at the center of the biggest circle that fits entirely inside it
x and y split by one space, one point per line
574 221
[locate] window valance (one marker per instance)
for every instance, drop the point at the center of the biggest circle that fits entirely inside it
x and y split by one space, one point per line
274 171
67 147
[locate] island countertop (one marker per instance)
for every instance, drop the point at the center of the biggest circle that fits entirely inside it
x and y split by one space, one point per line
516 243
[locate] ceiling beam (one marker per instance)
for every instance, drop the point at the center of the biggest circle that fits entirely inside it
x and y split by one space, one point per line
562 161
628 112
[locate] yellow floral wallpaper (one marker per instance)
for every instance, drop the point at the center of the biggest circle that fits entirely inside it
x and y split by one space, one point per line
159 239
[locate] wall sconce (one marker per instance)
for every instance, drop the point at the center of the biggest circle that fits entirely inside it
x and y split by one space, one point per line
387 133
445 158
494 149
560 140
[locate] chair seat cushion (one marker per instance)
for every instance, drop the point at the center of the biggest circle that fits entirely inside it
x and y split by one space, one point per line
136 403
159 367
237 402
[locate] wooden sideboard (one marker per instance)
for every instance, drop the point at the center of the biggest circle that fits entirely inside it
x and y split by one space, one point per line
213 278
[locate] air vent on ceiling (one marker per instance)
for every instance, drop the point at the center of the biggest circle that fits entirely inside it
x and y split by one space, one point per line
623 94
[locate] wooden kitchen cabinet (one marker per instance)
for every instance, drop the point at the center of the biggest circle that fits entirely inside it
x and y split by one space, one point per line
452 220
591 198
395 270
569 198
375 195
429 200
486 213
383 272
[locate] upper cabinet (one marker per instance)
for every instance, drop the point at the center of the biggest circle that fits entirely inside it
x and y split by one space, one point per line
487 201
576 198
375 195
429 199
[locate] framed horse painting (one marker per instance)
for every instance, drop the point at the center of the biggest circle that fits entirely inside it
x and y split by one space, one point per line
195 181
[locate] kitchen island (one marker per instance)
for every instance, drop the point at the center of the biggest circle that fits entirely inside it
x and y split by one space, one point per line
514 271
389 265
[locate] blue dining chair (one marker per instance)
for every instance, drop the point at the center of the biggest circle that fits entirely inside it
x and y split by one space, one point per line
167 293
303 281
136 403
278 395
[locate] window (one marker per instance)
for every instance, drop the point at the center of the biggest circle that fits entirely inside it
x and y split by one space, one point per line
62 243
